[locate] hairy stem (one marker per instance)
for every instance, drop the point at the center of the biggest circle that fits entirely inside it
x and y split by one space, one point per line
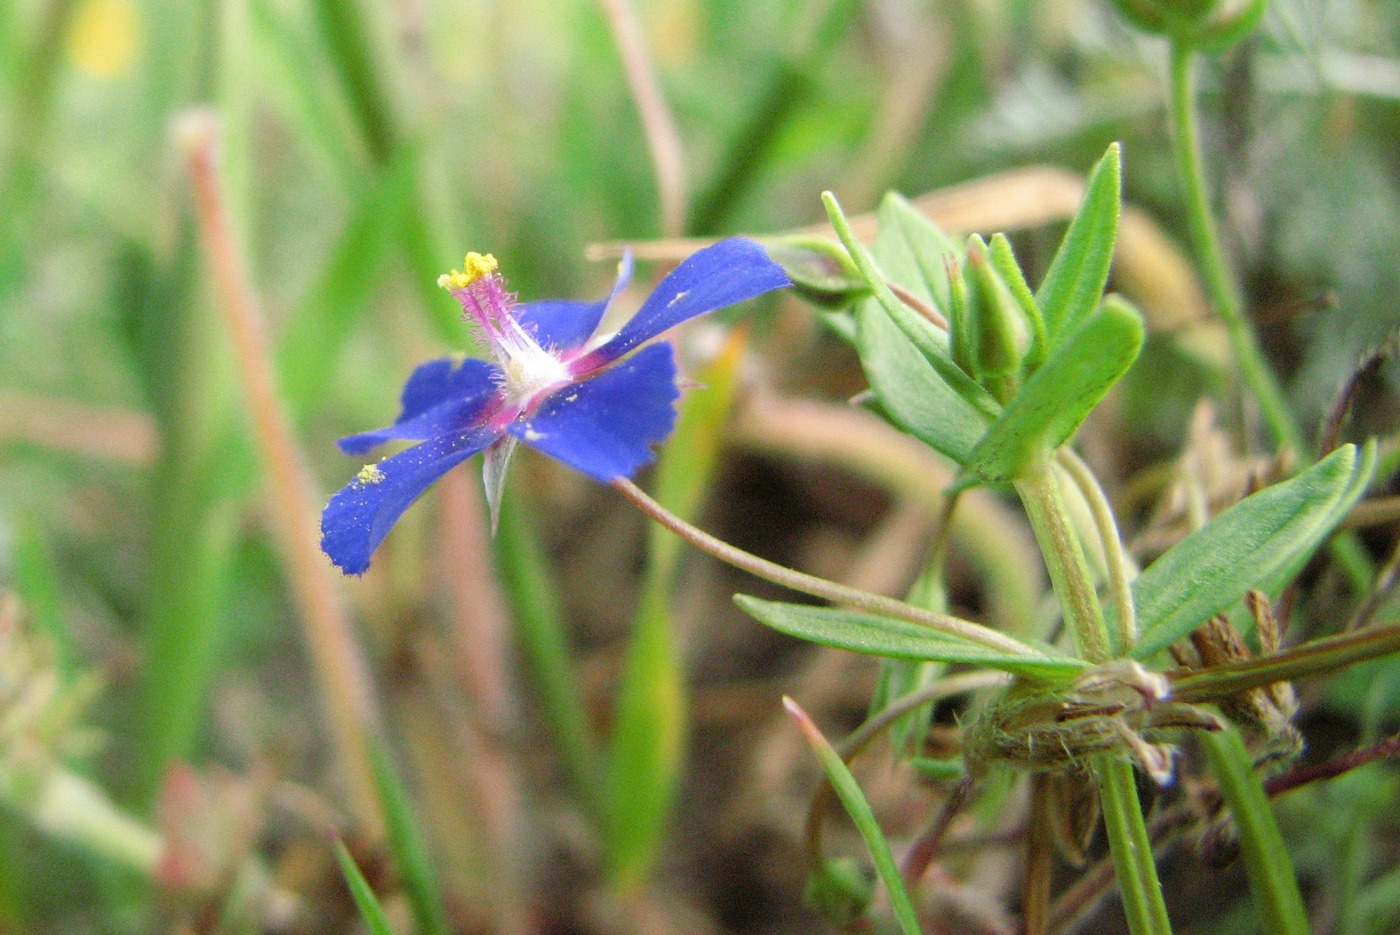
1064 558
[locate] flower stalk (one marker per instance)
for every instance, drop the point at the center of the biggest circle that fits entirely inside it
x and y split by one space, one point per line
1220 285
818 587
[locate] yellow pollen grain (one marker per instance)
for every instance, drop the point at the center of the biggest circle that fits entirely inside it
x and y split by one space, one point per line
370 474
474 267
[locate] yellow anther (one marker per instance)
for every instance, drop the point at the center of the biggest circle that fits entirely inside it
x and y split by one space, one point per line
370 474
474 267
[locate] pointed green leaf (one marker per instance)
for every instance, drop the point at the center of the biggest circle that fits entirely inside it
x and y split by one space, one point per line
1259 542
652 710
1060 395
1077 275
848 791
884 636
930 341
415 863
376 920
913 394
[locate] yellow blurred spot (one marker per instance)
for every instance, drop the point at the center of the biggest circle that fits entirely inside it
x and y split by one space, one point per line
474 266
102 37
370 474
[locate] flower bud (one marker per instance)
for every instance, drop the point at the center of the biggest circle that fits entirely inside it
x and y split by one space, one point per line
1194 23
820 269
990 331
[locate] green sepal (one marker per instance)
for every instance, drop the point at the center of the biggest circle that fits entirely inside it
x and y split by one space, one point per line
1259 542
1003 260
1054 402
1000 335
819 269
961 329
909 249
1078 274
899 639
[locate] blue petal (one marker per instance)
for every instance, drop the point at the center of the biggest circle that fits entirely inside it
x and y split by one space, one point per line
563 325
363 512
605 426
441 397
719 275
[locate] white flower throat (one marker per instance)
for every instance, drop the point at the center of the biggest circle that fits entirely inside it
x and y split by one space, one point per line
527 369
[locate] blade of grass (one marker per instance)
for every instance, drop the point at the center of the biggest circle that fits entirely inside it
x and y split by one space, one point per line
348 39
376 920
789 87
541 631
848 791
198 487
1272 881
411 855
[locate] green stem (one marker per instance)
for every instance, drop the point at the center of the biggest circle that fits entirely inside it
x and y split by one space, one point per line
1064 559
1271 878
1224 293
1123 821
819 587
1120 569
1133 862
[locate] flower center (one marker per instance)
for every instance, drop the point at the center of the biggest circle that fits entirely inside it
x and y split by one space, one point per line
528 369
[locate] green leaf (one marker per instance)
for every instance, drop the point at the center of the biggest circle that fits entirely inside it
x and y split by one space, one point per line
930 341
912 393
376 920
1259 542
1077 275
1058 397
884 636
652 710
406 841
911 250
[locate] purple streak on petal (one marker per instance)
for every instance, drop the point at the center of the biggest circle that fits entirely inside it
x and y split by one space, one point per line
564 325
605 426
720 275
363 512
440 397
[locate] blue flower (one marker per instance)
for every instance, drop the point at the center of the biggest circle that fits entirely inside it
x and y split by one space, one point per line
596 406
